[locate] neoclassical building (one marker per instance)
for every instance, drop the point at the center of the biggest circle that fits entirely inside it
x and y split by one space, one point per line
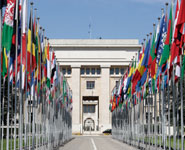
92 68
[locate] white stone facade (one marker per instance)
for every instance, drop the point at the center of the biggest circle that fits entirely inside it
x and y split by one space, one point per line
100 62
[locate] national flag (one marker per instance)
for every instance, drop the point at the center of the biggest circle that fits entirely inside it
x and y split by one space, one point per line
181 17
143 65
48 67
166 51
29 43
53 68
176 37
152 51
19 18
161 39
13 49
153 63
34 62
24 26
7 33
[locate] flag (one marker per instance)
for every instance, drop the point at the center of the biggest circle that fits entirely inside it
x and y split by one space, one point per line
48 67
29 42
161 39
166 51
24 25
7 33
181 17
19 36
176 36
3 3
153 63
13 49
53 68
34 63
152 51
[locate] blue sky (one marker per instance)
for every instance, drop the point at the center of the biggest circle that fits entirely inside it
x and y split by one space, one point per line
110 19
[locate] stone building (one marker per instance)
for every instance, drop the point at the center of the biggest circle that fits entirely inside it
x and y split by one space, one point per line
92 68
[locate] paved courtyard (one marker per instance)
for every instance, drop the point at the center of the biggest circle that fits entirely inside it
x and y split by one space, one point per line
95 143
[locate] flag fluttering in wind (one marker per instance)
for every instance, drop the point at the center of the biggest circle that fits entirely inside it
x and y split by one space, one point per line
7 33
156 60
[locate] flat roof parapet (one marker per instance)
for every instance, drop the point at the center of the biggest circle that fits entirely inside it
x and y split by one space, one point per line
94 42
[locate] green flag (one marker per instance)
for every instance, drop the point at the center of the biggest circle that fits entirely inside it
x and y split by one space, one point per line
7 34
8 26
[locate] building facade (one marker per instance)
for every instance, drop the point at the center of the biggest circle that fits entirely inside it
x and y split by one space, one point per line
92 68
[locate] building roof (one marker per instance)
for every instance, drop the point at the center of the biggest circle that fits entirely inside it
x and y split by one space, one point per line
94 42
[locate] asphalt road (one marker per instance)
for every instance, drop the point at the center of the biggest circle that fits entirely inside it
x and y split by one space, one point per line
95 143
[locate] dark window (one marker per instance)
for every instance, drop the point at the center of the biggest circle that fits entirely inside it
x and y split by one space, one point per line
64 71
93 70
117 83
69 71
87 71
112 71
117 71
98 71
82 71
89 108
122 71
90 84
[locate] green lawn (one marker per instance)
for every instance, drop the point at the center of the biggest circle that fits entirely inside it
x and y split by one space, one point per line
11 142
159 141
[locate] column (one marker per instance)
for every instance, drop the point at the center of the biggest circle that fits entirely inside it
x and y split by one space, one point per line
104 115
76 113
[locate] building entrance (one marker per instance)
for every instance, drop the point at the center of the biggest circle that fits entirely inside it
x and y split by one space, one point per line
89 125
90 113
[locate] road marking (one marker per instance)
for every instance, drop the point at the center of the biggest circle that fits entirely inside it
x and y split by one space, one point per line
94 146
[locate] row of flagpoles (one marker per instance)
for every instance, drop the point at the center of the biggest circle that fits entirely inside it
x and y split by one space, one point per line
35 99
148 102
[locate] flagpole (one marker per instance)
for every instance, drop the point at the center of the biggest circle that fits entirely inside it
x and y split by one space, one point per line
8 113
182 104
21 93
1 138
26 82
168 90
16 51
43 104
153 99
143 111
31 102
33 107
174 117
41 98
38 67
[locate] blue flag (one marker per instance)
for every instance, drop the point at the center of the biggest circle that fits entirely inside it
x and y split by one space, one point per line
161 39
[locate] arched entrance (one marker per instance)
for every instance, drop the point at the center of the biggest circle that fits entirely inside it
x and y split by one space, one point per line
89 125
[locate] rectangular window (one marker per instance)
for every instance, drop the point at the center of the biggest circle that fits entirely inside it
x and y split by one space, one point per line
82 71
117 71
98 71
87 71
69 71
93 71
90 84
122 71
89 108
112 71
64 71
